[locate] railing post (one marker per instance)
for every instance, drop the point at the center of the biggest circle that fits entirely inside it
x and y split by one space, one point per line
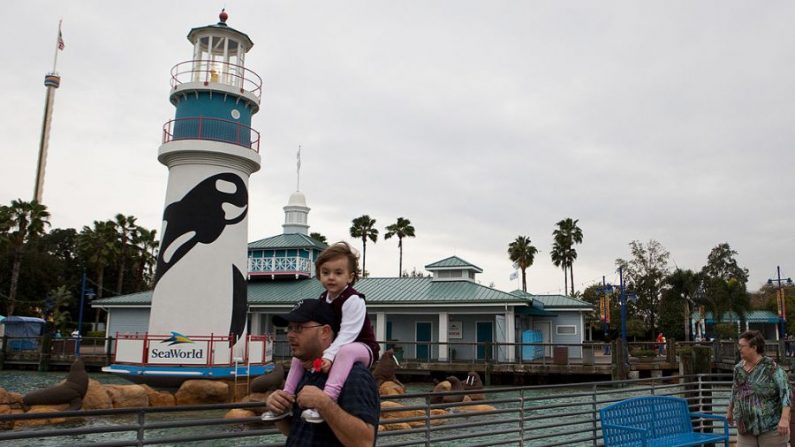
140 432
593 415
427 421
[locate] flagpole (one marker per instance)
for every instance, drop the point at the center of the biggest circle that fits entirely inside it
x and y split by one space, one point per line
298 169
57 46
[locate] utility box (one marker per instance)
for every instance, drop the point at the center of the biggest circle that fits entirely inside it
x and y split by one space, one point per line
532 352
560 355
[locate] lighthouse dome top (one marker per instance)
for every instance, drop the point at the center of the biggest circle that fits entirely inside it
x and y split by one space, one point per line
297 199
220 29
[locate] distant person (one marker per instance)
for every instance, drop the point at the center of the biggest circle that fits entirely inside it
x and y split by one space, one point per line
660 343
352 418
760 400
337 267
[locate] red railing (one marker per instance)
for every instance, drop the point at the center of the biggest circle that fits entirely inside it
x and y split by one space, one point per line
211 343
213 129
209 72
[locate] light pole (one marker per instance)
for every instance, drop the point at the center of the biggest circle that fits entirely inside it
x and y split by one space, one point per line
83 292
782 308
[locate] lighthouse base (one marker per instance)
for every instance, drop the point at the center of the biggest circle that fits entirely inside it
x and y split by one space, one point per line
174 376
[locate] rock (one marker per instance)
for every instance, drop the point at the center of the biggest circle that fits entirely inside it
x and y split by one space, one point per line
237 413
15 399
195 391
127 396
409 414
257 397
159 398
43 409
473 408
390 388
6 425
395 426
97 397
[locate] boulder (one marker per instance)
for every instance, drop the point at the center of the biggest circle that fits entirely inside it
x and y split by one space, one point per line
42 409
400 414
390 388
97 397
127 396
193 392
238 413
159 398
257 397
15 399
6 425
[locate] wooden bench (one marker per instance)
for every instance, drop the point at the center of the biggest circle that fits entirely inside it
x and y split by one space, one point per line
656 421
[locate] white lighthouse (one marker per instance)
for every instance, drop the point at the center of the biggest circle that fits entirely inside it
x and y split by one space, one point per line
199 303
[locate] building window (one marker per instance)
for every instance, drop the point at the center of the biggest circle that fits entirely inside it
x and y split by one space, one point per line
566 330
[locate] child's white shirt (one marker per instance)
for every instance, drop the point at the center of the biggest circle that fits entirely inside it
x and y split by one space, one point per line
353 313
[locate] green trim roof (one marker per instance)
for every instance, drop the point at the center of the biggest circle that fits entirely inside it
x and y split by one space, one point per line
556 301
753 316
292 240
387 291
453 262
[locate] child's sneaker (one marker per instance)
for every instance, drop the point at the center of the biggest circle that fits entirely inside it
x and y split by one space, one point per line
270 416
311 415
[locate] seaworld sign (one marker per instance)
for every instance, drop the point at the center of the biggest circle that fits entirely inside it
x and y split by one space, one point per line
178 349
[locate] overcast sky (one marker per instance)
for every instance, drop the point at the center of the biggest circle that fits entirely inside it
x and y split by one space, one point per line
477 120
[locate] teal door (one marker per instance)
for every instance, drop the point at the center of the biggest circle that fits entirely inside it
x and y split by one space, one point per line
423 334
484 339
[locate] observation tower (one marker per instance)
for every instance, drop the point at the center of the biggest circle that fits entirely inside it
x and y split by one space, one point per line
198 322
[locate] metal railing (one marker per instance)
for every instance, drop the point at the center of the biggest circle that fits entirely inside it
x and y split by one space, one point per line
292 264
549 415
212 129
208 72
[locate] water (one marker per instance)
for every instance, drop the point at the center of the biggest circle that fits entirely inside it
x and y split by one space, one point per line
562 412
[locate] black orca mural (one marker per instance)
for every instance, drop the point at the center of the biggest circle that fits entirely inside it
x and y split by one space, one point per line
239 304
199 217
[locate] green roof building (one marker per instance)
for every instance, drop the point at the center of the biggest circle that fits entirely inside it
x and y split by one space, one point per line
438 317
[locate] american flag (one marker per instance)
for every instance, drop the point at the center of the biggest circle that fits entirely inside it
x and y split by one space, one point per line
60 38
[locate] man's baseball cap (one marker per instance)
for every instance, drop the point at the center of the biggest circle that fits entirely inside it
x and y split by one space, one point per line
309 310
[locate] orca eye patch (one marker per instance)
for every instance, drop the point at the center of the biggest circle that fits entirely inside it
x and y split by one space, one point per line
225 186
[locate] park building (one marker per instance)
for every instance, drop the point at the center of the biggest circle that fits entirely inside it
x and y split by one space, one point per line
442 317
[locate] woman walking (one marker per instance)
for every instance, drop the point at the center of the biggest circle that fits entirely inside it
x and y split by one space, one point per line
760 400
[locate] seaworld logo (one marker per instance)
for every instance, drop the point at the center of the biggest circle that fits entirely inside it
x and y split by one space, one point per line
177 354
176 338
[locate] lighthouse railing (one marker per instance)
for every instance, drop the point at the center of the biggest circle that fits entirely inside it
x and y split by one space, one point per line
209 72
211 129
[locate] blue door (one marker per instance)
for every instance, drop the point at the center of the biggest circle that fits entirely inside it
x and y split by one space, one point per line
484 339
423 334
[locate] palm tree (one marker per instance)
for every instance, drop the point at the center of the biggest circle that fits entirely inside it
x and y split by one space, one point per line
364 228
125 230
687 285
318 237
522 253
98 247
402 228
567 234
25 222
145 258
559 260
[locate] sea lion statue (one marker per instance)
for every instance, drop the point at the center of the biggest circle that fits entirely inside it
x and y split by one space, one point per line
270 381
473 383
72 391
452 383
385 368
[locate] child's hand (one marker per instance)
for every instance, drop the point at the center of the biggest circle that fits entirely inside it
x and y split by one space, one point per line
326 366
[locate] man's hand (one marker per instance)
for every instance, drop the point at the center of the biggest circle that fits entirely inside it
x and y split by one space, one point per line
312 397
280 401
